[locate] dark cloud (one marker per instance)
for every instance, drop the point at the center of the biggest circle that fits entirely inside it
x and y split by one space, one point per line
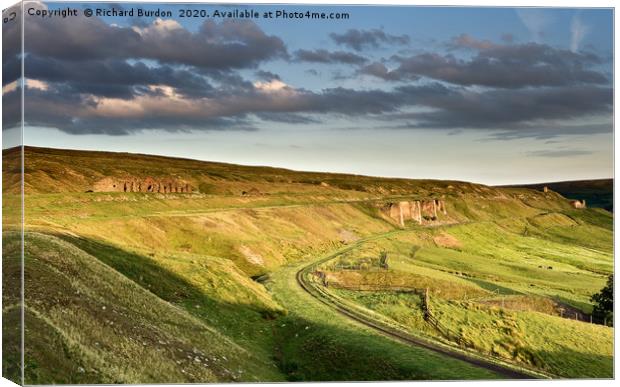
11 46
435 106
361 39
11 109
81 113
500 66
287 118
550 131
267 75
231 44
114 78
379 70
90 77
324 56
75 114
506 109
11 69
228 81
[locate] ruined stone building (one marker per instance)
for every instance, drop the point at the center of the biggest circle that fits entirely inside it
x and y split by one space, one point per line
578 203
148 184
417 210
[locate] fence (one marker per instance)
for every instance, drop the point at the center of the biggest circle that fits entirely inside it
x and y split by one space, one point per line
430 318
571 314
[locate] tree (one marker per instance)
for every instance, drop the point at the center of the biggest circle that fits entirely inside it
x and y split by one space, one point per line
604 302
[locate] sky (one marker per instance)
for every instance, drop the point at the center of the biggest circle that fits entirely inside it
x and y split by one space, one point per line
488 95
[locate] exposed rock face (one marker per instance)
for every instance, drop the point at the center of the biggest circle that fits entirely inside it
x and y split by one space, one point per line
578 203
149 184
417 210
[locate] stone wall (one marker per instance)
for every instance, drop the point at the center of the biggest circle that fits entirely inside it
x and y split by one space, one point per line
148 184
417 210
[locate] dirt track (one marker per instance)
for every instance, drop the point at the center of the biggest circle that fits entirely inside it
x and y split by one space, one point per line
508 372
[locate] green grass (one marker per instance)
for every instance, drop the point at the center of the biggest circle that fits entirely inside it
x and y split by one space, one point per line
211 274
530 273
87 323
209 288
559 346
316 343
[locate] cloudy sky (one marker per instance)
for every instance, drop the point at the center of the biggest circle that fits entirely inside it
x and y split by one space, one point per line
490 95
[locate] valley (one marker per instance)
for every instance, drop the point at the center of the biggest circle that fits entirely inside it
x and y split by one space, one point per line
211 272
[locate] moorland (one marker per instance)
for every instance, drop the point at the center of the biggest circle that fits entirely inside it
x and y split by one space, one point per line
268 274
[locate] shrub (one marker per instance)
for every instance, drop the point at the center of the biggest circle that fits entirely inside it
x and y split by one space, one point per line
383 259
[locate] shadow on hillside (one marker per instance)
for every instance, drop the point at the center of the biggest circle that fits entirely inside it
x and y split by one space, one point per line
492 287
170 286
303 350
308 351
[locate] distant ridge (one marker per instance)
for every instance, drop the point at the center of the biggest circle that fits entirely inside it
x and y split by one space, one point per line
597 193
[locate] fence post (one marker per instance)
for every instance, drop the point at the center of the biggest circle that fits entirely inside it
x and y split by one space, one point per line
590 319
426 306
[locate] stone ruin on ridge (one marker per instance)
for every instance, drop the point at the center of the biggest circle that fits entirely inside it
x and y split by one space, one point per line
148 184
417 210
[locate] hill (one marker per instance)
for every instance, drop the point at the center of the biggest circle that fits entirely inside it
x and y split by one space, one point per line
597 193
213 267
57 170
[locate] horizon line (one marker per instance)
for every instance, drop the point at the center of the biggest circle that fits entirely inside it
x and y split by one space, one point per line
309 171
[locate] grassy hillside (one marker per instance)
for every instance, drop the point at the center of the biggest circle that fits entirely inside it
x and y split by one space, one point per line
87 323
597 193
56 170
202 283
508 289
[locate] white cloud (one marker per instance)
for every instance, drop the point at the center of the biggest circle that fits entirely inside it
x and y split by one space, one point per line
578 31
9 87
535 20
271 86
158 27
36 84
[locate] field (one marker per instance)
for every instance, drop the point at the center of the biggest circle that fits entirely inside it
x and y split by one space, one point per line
500 293
140 287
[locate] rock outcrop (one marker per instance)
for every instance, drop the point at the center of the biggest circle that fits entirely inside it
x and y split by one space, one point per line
148 184
417 210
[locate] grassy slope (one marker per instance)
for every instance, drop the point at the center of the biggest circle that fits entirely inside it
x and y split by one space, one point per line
533 271
196 253
87 323
316 343
55 170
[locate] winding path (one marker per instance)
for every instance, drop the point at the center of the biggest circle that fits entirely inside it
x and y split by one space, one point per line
506 370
